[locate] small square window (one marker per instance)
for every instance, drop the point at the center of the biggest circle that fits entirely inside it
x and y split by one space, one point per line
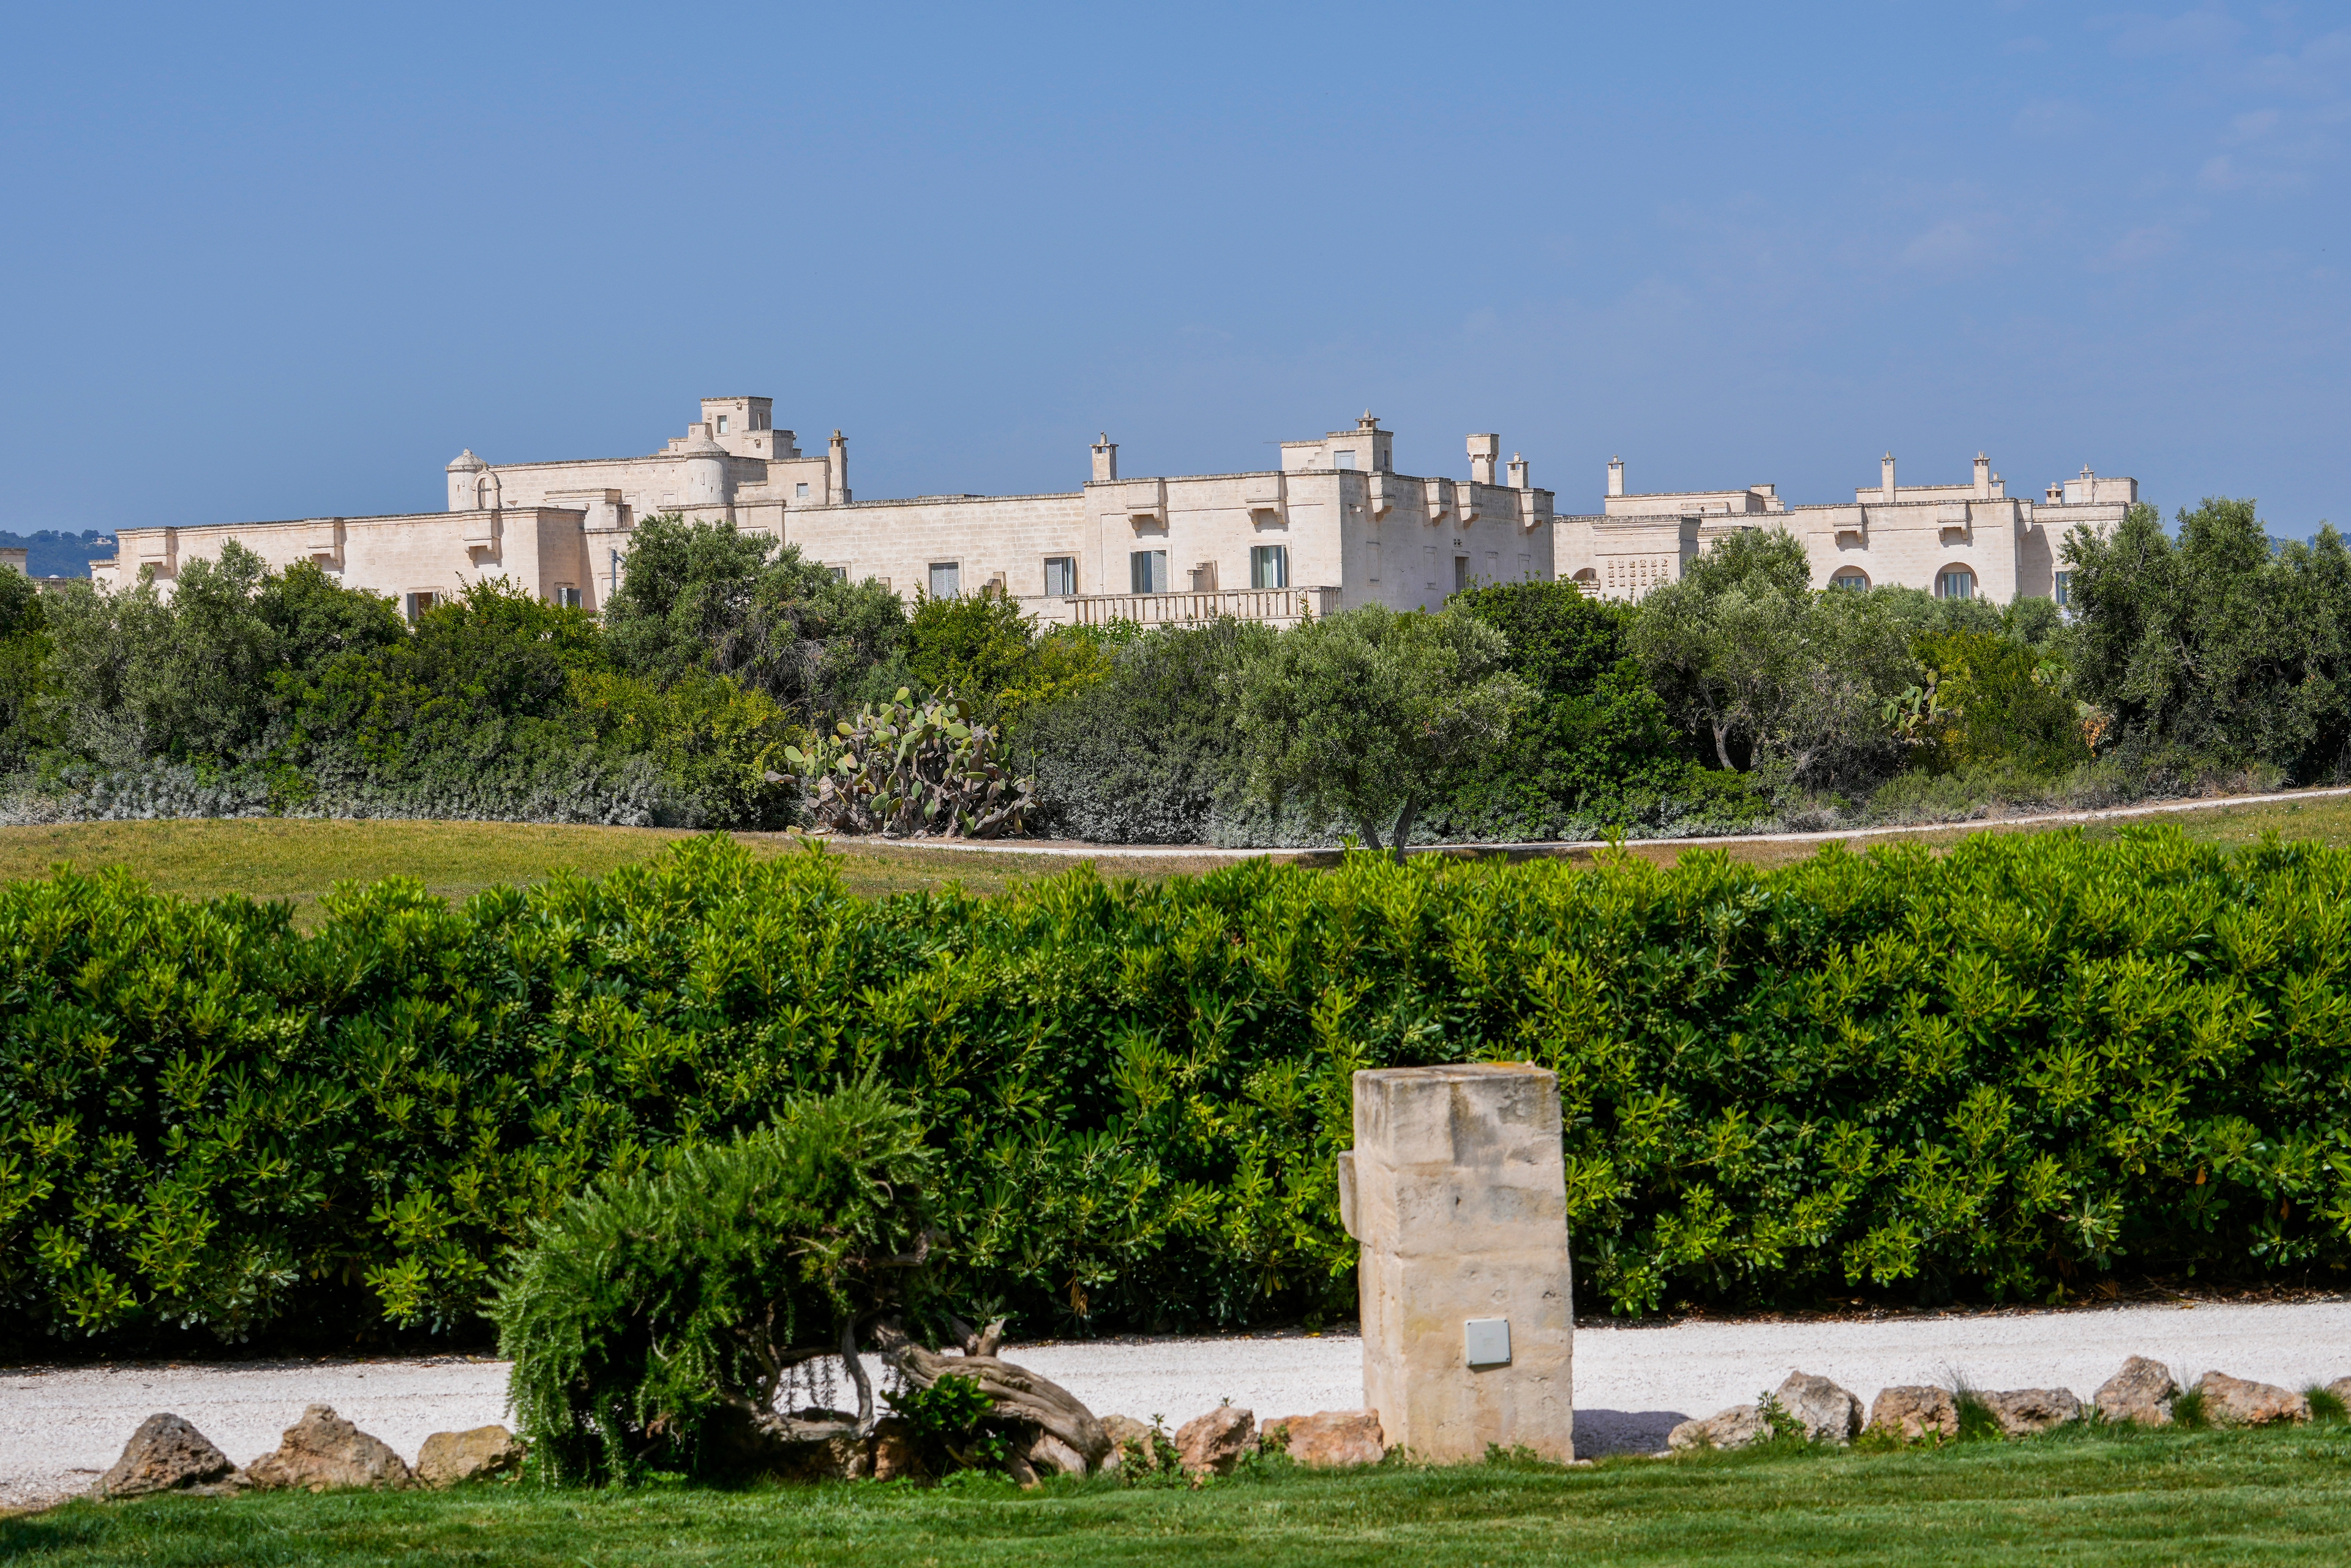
567 596
946 578
1061 577
1344 459
1269 565
800 491
840 573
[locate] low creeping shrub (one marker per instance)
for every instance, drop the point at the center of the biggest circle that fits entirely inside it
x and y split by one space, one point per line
2006 1072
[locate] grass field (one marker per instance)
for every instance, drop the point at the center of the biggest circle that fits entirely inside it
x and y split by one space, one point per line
2095 1496
299 861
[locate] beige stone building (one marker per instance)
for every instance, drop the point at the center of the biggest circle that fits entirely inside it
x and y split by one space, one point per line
1969 541
1333 525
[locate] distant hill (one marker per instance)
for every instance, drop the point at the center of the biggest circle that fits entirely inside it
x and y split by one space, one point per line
56 554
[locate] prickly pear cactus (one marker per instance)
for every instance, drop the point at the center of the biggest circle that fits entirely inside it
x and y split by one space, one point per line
914 772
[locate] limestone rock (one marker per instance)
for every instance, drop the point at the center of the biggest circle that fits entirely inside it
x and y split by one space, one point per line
895 1453
1331 1438
1826 1413
2233 1401
1125 1433
1216 1442
2024 1411
168 1454
483 1453
1733 1429
321 1451
1912 1411
2141 1392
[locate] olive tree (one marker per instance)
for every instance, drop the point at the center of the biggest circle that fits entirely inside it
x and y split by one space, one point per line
1356 715
1770 675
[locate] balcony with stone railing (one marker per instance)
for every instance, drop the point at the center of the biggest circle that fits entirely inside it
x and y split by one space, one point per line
1274 606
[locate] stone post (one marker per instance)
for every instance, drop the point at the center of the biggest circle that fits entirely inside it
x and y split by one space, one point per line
1457 1192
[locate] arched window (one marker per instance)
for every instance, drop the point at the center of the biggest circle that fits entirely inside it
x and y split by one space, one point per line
485 493
1587 580
1852 579
1955 583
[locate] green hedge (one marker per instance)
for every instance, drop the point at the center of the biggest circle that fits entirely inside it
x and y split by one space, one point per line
2005 1071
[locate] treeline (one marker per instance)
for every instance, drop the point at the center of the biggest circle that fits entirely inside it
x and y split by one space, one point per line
1736 696
2005 1073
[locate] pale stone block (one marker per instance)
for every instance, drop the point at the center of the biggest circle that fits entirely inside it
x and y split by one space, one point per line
1455 1191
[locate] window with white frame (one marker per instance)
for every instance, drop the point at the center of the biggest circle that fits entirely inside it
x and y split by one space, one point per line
2064 588
722 424
419 602
1346 459
1852 580
1269 565
1147 570
567 596
800 491
840 573
1955 583
946 578
1061 577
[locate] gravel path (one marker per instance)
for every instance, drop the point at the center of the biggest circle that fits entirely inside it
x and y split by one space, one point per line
60 1428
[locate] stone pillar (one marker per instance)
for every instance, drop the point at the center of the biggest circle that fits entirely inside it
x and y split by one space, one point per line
1457 1191
1616 476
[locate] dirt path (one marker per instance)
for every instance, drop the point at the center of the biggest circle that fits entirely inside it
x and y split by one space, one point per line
1079 849
59 1429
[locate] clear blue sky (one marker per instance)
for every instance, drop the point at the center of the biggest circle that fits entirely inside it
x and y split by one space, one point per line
269 263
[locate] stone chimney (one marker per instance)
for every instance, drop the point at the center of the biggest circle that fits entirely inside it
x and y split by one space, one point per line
1885 479
1517 472
1616 476
1983 477
1105 459
836 474
1484 451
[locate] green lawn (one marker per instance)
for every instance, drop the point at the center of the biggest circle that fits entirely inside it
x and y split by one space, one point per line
299 861
2091 1498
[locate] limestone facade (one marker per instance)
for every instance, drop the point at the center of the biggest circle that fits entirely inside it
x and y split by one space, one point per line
1333 525
1456 1193
1970 541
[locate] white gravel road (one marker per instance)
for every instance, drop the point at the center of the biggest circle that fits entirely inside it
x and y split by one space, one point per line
60 1428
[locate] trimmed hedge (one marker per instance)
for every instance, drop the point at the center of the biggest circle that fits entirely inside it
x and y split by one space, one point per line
2007 1072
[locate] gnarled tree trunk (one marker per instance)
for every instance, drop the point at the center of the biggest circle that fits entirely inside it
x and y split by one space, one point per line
1016 1392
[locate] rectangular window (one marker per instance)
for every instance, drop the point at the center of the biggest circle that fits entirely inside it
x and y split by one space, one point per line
800 491
1147 569
1269 565
1428 563
840 573
418 603
1342 459
946 578
1958 584
1061 577
2065 587
567 596
722 424
1460 573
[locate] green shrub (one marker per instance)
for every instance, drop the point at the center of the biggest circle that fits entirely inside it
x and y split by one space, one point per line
2000 1071
1148 754
664 1309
